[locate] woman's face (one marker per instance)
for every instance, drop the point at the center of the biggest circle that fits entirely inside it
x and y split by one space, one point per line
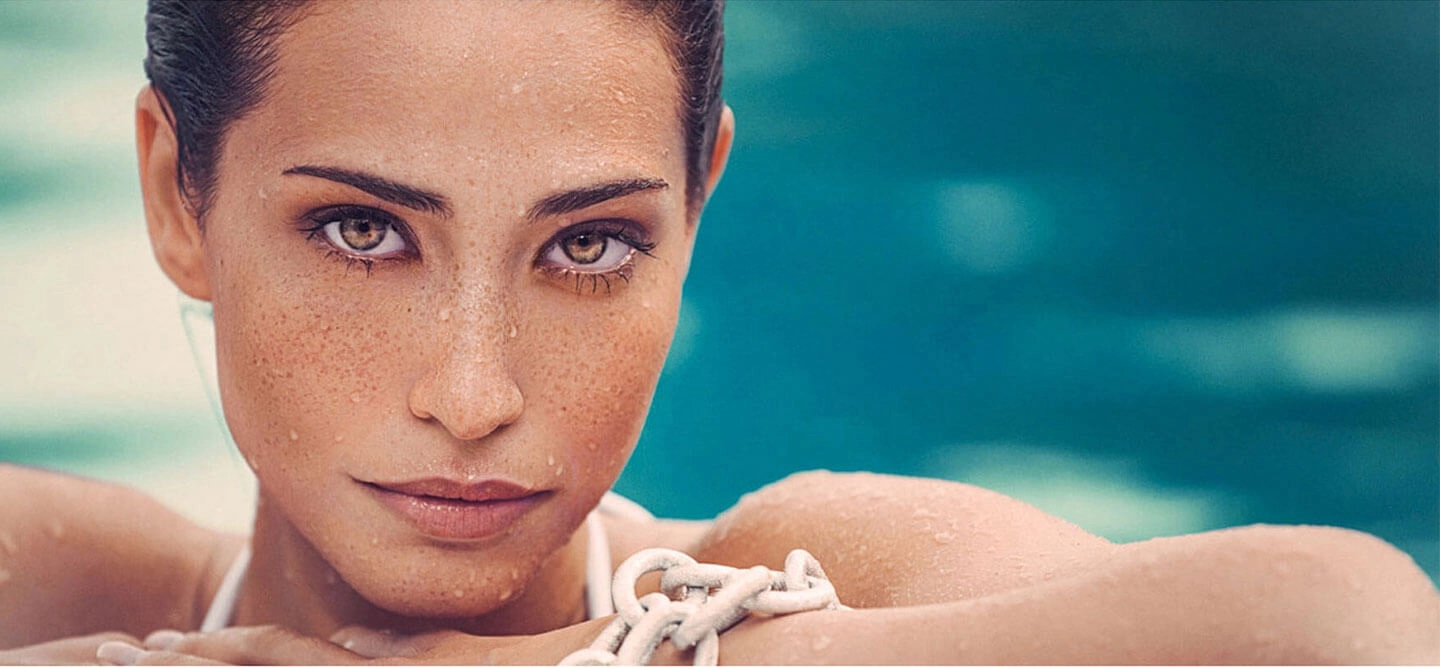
445 255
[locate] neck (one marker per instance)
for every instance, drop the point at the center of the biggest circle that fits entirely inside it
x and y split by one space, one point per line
289 584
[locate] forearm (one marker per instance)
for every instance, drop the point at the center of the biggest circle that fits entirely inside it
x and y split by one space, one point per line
1231 597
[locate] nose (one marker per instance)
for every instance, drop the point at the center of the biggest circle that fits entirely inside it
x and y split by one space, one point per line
469 388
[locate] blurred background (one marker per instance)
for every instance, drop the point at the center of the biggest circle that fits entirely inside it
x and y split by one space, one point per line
1154 268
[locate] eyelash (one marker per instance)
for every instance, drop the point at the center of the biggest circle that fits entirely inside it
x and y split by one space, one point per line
626 232
322 218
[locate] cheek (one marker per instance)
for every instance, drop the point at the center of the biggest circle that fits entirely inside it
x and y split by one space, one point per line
301 361
593 378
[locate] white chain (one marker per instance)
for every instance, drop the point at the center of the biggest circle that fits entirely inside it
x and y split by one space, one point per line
698 602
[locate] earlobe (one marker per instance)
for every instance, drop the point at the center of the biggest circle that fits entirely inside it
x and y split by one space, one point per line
724 138
174 231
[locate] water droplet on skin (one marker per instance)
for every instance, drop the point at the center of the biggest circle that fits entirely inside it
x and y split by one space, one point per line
338 438
819 643
293 435
505 594
444 314
514 574
944 538
550 460
559 469
8 543
513 331
356 397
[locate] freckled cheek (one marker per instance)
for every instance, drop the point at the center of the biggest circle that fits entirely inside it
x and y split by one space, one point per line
301 365
592 383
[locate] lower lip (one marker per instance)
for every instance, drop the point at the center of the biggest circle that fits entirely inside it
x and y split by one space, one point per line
450 519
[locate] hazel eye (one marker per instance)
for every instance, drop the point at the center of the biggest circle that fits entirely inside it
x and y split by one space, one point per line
585 248
589 251
361 232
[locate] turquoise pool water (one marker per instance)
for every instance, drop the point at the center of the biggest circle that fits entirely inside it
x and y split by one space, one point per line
1155 268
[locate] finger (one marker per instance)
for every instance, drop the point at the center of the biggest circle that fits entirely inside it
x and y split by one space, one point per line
262 645
161 640
118 653
121 653
374 643
171 658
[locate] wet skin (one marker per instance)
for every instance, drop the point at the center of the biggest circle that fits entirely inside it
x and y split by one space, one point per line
475 345
484 342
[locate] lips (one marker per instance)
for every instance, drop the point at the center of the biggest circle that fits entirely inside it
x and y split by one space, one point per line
454 510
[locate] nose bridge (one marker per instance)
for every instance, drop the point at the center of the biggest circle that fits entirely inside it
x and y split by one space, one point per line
469 387
472 312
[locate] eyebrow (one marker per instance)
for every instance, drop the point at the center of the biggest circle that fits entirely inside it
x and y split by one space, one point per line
419 199
584 197
382 188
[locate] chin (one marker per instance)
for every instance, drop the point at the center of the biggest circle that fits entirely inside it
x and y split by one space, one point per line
449 581
443 592
443 605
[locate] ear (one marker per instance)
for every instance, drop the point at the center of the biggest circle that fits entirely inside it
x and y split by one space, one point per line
720 154
174 231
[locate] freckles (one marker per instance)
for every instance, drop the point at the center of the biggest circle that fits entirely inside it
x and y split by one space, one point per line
610 377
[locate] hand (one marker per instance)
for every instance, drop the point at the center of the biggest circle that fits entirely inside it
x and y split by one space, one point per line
68 651
273 645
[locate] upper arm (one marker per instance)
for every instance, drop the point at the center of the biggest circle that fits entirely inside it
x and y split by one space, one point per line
79 556
887 541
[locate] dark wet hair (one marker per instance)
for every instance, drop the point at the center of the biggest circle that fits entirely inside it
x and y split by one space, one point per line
210 62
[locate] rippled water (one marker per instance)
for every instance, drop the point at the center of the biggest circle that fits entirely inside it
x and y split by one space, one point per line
1156 268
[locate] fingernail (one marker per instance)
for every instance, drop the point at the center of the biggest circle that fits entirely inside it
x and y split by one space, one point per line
119 653
160 640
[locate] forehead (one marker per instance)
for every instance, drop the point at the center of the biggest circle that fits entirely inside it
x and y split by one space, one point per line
543 89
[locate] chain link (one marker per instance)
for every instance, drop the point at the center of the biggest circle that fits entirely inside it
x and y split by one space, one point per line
697 602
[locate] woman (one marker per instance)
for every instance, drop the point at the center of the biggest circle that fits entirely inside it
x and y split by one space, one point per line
445 245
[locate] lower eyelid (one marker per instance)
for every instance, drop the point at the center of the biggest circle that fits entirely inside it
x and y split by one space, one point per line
594 281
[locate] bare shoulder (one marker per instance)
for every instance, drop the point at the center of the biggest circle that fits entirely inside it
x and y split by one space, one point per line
887 540
79 556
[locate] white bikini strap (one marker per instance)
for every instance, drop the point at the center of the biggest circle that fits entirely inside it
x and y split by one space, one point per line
223 606
598 568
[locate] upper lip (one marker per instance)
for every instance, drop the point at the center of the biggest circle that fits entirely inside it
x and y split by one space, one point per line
471 491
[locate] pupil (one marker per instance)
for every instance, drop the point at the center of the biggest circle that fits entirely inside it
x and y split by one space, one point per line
360 234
